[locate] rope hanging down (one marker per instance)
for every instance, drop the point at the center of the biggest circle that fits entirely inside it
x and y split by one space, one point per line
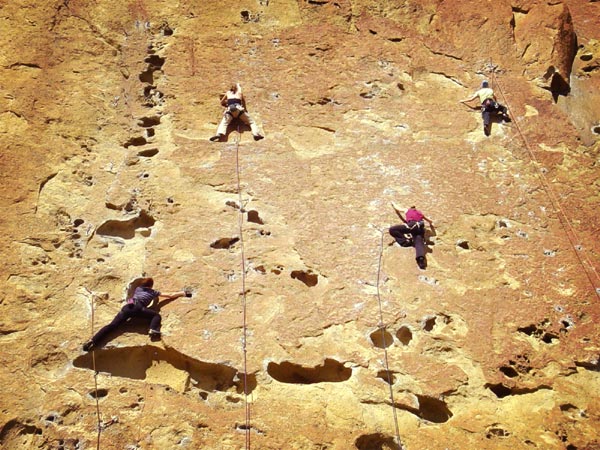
572 235
243 267
95 373
382 328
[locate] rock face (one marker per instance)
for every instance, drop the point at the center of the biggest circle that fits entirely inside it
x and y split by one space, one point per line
548 57
309 327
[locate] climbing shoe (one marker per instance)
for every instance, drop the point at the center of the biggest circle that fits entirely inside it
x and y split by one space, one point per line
89 345
421 262
406 243
258 137
487 129
216 137
154 333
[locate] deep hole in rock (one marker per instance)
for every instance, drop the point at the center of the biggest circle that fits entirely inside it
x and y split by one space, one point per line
149 153
330 371
149 121
224 243
586 57
136 142
387 376
549 338
147 76
509 371
309 279
497 432
429 323
54 417
404 335
463 244
530 330
155 61
132 362
596 129
589 365
254 217
376 441
381 338
150 132
148 90
502 391
125 228
100 393
13 429
568 407
78 222
433 410
499 390
591 68
250 379
559 86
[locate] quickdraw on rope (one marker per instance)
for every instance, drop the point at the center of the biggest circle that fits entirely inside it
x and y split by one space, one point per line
381 326
572 235
243 267
95 373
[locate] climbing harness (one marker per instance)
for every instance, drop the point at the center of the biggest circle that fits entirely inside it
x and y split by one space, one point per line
381 326
572 235
235 108
243 267
95 373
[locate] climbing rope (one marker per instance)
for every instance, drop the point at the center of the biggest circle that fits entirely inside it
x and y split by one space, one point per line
95 373
381 326
245 327
572 235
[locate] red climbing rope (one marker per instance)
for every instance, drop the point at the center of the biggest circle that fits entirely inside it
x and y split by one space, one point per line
95 374
382 328
245 328
572 235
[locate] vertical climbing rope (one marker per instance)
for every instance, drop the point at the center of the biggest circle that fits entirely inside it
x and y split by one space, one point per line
572 235
95 373
382 328
244 336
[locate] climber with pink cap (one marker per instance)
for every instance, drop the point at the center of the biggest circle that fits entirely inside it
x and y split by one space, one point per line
412 233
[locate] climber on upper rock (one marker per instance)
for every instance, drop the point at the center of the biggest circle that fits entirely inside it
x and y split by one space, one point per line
489 106
415 227
137 306
235 108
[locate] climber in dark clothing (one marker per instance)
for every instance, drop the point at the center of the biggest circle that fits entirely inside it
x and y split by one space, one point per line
489 106
137 306
415 227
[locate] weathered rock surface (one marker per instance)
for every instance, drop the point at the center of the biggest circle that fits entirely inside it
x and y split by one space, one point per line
107 174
